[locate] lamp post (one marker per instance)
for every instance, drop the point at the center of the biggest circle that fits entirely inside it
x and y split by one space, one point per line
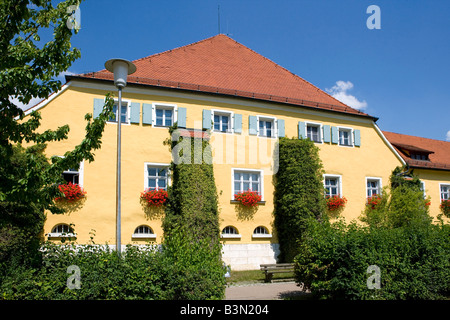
121 69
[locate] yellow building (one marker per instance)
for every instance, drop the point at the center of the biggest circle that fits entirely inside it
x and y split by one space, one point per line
247 101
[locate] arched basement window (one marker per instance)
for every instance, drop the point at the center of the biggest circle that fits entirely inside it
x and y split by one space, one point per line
230 232
143 232
62 230
261 232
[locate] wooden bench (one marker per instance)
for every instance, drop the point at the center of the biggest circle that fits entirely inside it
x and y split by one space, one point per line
270 269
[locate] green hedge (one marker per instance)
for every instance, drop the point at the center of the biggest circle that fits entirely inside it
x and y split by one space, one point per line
413 261
181 270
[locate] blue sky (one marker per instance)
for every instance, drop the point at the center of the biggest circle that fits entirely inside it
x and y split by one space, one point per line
399 73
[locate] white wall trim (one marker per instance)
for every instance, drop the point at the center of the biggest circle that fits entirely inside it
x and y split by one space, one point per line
222 99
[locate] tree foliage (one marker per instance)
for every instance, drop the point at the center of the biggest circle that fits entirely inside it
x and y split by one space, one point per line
28 67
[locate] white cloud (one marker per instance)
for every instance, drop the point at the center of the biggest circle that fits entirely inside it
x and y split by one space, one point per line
34 101
339 91
447 137
61 77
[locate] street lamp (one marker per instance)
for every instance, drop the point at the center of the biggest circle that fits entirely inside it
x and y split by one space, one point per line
121 69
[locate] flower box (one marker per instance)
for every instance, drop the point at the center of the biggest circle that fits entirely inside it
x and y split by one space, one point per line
155 197
335 203
248 198
72 192
373 201
445 207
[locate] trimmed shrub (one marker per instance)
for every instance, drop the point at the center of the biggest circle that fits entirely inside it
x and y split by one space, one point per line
181 270
414 261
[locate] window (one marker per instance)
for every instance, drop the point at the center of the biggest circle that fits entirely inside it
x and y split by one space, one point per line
164 115
72 175
62 230
124 113
244 180
332 185
445 191
156 176
313 132
419 156
222 121
266 127
230 232
422 188
373 186
143 231
345 137
261 232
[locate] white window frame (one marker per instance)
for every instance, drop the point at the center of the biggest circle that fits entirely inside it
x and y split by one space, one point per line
128 117
165 106
314 124
422 186
379 188
267 235
250 171
267 119
230 115
350 131
236 235
158 165
62 234
80 172
442 193
339 182
143 235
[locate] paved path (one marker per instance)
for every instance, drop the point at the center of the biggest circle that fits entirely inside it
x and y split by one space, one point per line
263 291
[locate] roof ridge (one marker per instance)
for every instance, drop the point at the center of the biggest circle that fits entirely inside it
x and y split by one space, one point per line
415 136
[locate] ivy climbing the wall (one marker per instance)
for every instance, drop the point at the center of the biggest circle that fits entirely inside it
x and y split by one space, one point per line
299 192
192 204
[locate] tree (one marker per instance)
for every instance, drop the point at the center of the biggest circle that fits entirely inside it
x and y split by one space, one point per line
28 67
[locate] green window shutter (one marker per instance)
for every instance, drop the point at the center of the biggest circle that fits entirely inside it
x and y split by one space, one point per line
98 107
301 130
326 133
334 135
252 125
206 120
181 117
280 128
238 123
357 134
146 113
135 112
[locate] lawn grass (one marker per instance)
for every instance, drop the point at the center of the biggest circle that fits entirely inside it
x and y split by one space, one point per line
255 276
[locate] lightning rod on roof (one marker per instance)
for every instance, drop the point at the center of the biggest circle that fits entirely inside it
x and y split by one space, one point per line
218 18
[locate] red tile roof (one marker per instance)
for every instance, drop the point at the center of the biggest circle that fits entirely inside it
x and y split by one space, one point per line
438 151
221 65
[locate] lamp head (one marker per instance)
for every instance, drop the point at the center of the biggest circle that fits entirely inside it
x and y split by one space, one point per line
121 69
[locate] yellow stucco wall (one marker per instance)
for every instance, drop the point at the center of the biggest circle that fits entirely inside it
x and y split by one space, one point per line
433 179
143 143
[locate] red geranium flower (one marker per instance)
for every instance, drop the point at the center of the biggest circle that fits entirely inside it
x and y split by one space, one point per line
155 197
248 198
72 192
